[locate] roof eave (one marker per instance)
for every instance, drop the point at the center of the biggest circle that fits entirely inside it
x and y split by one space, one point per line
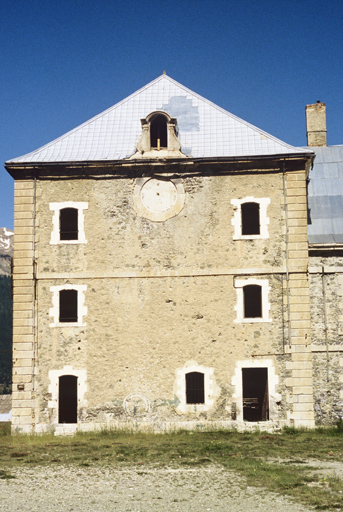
312 247
13 167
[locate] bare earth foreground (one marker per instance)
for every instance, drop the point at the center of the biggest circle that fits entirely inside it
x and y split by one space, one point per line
93 489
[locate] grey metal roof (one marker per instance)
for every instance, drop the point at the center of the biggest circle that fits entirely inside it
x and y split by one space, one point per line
205 130
325 196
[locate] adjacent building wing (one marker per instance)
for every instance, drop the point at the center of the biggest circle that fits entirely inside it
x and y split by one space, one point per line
325 196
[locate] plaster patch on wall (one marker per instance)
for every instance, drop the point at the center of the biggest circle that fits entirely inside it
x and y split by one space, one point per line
81 308
237 217
273 381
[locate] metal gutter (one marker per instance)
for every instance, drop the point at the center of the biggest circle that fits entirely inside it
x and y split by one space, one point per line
325 247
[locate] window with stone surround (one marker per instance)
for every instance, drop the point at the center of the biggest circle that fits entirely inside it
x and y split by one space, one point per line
195 388
255 385
67 388
68 305
252 300
250 219
68 222
159 133
255 394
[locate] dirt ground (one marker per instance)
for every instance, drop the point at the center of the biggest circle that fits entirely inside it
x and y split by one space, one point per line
139 489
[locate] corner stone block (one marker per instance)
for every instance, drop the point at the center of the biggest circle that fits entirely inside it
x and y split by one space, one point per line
22 411
303 415
22 379
25 421
26 404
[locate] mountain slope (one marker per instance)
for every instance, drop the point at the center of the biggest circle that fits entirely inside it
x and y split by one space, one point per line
6 308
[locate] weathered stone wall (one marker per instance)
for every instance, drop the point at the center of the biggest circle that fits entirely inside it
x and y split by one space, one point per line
326 291
140 332
161 298
199 238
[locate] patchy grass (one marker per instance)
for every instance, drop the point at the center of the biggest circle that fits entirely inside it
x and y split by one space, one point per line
4 475
251 454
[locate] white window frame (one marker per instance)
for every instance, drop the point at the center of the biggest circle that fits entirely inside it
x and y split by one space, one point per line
55 234
239 308
263 203
54 376
54 312
273 381
209 388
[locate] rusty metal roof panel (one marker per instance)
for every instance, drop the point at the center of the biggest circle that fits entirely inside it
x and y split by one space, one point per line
205 130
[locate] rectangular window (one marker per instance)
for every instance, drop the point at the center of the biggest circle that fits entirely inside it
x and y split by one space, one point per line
69 224
195 388
252 294
68 306
250 218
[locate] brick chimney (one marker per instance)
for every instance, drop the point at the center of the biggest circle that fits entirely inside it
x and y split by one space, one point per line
316 124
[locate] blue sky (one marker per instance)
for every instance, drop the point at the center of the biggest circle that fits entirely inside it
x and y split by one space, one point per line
64 61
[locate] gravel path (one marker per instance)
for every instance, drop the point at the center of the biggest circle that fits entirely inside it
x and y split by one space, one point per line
65 489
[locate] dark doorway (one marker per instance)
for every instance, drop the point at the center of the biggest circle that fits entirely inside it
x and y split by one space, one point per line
68 306
69 224
158 132
255 394
195 388
252 301
250 218
67 399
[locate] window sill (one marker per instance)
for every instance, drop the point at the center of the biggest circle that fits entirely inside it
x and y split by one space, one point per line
252 320
68 242
250 237
193 408
68 324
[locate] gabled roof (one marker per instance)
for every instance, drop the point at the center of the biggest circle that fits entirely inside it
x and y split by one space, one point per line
325 196
205 130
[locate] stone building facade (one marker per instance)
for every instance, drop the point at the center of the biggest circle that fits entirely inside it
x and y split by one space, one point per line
325 235
161 274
